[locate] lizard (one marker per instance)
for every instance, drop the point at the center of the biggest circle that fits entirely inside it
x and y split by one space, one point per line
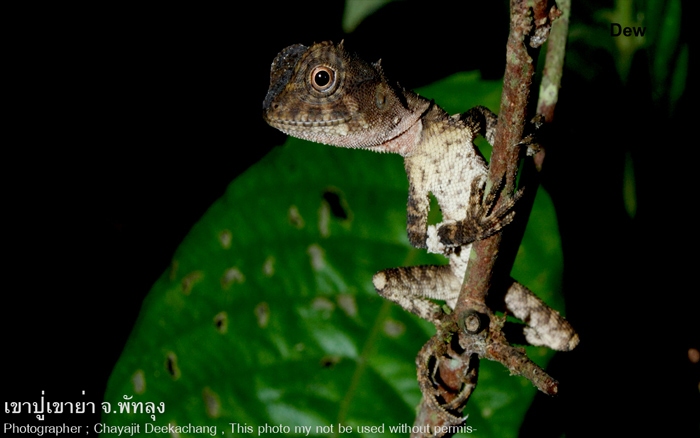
328 95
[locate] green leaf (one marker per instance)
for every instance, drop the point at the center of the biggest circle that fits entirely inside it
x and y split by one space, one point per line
268 315
358 10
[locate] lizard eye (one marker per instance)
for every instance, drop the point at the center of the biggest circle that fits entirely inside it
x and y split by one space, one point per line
322 78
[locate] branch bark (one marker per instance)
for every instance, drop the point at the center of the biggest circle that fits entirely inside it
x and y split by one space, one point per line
521 60
473 330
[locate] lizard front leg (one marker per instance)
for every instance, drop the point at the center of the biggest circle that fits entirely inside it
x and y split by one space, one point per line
482 121
483 219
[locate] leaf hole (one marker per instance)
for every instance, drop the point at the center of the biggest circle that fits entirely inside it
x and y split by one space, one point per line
221 322
329 361
336 203
171 365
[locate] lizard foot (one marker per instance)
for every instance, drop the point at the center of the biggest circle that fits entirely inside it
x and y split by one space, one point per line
482 219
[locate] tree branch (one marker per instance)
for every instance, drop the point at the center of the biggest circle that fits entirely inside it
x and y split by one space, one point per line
473 330
512 119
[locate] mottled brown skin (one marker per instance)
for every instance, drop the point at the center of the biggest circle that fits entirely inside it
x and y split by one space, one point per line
324 94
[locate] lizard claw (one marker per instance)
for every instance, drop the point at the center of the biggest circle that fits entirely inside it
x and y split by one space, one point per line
482 220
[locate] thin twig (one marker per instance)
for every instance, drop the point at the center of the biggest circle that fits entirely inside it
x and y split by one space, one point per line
553 69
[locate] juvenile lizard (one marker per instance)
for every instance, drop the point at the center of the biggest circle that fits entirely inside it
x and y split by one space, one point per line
324 94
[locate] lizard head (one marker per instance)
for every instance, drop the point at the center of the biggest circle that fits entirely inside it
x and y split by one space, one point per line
324 94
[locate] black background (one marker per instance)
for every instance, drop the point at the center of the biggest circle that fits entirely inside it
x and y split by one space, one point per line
126 123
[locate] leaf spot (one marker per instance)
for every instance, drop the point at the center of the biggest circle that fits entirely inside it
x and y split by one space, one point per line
138 380
317 255
189 280
262 313
225 239
322 304
348 304
393 328
211 402
269 266
173 434
295 218
324 220
232 275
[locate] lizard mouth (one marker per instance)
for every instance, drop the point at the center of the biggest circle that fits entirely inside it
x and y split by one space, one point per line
308 123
